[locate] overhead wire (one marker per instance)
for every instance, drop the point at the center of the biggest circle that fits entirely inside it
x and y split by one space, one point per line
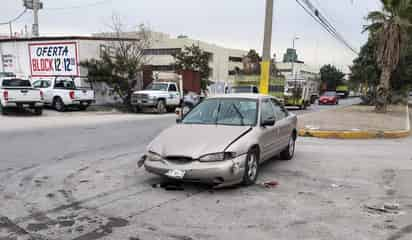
312 11
14 19
101 2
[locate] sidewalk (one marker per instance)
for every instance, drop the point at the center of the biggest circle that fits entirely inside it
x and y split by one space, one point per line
356 122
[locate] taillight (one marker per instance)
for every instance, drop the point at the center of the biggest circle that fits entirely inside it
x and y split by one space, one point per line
41 95
71 94
6 95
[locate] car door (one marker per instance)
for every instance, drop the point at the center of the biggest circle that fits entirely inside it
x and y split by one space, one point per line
269 134
174 98
47 91
282 124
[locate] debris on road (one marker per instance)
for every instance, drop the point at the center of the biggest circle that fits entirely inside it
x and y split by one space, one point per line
387 208
391 206
169 186
269 184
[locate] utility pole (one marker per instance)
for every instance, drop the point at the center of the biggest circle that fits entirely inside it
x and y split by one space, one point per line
36 6
267 40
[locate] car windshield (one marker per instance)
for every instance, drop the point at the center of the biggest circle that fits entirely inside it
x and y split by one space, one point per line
15 82
224 111
157 86
329 94
243 89
65 84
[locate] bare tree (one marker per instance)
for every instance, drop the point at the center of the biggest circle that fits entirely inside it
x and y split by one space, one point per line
122 59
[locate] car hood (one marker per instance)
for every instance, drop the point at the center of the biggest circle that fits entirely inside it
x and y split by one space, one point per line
150 92
194 141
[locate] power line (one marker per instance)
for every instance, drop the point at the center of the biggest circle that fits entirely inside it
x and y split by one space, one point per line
101 2
325 23
14 19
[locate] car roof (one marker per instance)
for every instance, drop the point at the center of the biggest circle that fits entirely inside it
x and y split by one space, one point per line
242 95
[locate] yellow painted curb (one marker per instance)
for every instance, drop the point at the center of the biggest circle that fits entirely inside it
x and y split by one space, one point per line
353 134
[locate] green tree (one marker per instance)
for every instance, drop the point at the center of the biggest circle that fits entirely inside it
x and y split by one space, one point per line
365 69
331 76
252 63
122 61
389 26
193 58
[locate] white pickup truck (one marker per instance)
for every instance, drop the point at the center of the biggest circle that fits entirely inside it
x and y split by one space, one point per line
163 96
19 93
61 93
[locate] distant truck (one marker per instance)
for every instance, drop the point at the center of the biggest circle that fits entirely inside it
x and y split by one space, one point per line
162 96
19 94
342 91
62 92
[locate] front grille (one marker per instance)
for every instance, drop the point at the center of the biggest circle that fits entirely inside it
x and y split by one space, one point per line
179 159
139 96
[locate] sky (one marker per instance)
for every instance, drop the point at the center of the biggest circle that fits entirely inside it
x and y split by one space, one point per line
229 23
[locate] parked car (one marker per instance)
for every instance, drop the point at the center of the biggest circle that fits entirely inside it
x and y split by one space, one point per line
223 140
163 96
19 93
62 92
329 97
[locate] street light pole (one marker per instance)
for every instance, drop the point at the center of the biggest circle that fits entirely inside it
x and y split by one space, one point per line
267 40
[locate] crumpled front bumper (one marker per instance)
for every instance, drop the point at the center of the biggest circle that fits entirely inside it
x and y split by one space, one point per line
221 173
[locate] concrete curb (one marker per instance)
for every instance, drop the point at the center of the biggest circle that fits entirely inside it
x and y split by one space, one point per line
359 134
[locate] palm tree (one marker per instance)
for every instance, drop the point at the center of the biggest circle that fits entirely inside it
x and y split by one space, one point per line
389 26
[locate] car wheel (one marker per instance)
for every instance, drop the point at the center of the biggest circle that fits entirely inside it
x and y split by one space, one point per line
38 111
83 107
251 167
3 110
160 107
58 104
289 151
136 109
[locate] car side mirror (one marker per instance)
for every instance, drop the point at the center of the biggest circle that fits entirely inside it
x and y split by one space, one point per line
268 122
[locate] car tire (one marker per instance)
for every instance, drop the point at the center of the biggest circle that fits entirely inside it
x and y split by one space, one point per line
38 111
58 104
3 110
289 151
251 167
83 107
137 109
161 107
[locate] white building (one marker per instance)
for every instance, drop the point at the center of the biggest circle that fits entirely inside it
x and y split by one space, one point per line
223 60
46 57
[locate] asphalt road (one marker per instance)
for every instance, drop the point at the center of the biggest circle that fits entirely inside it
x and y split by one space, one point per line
79 181
316 107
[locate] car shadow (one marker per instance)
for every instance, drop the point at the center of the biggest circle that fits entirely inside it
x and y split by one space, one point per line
20 113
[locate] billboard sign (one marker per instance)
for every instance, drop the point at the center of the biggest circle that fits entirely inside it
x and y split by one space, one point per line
53 59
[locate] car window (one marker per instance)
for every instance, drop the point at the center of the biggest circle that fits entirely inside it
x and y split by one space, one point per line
280 112
64 84
46 84
172 88
267 112
225 111
15 82
37 84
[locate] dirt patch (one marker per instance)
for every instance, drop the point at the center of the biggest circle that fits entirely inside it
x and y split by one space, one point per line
105 229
